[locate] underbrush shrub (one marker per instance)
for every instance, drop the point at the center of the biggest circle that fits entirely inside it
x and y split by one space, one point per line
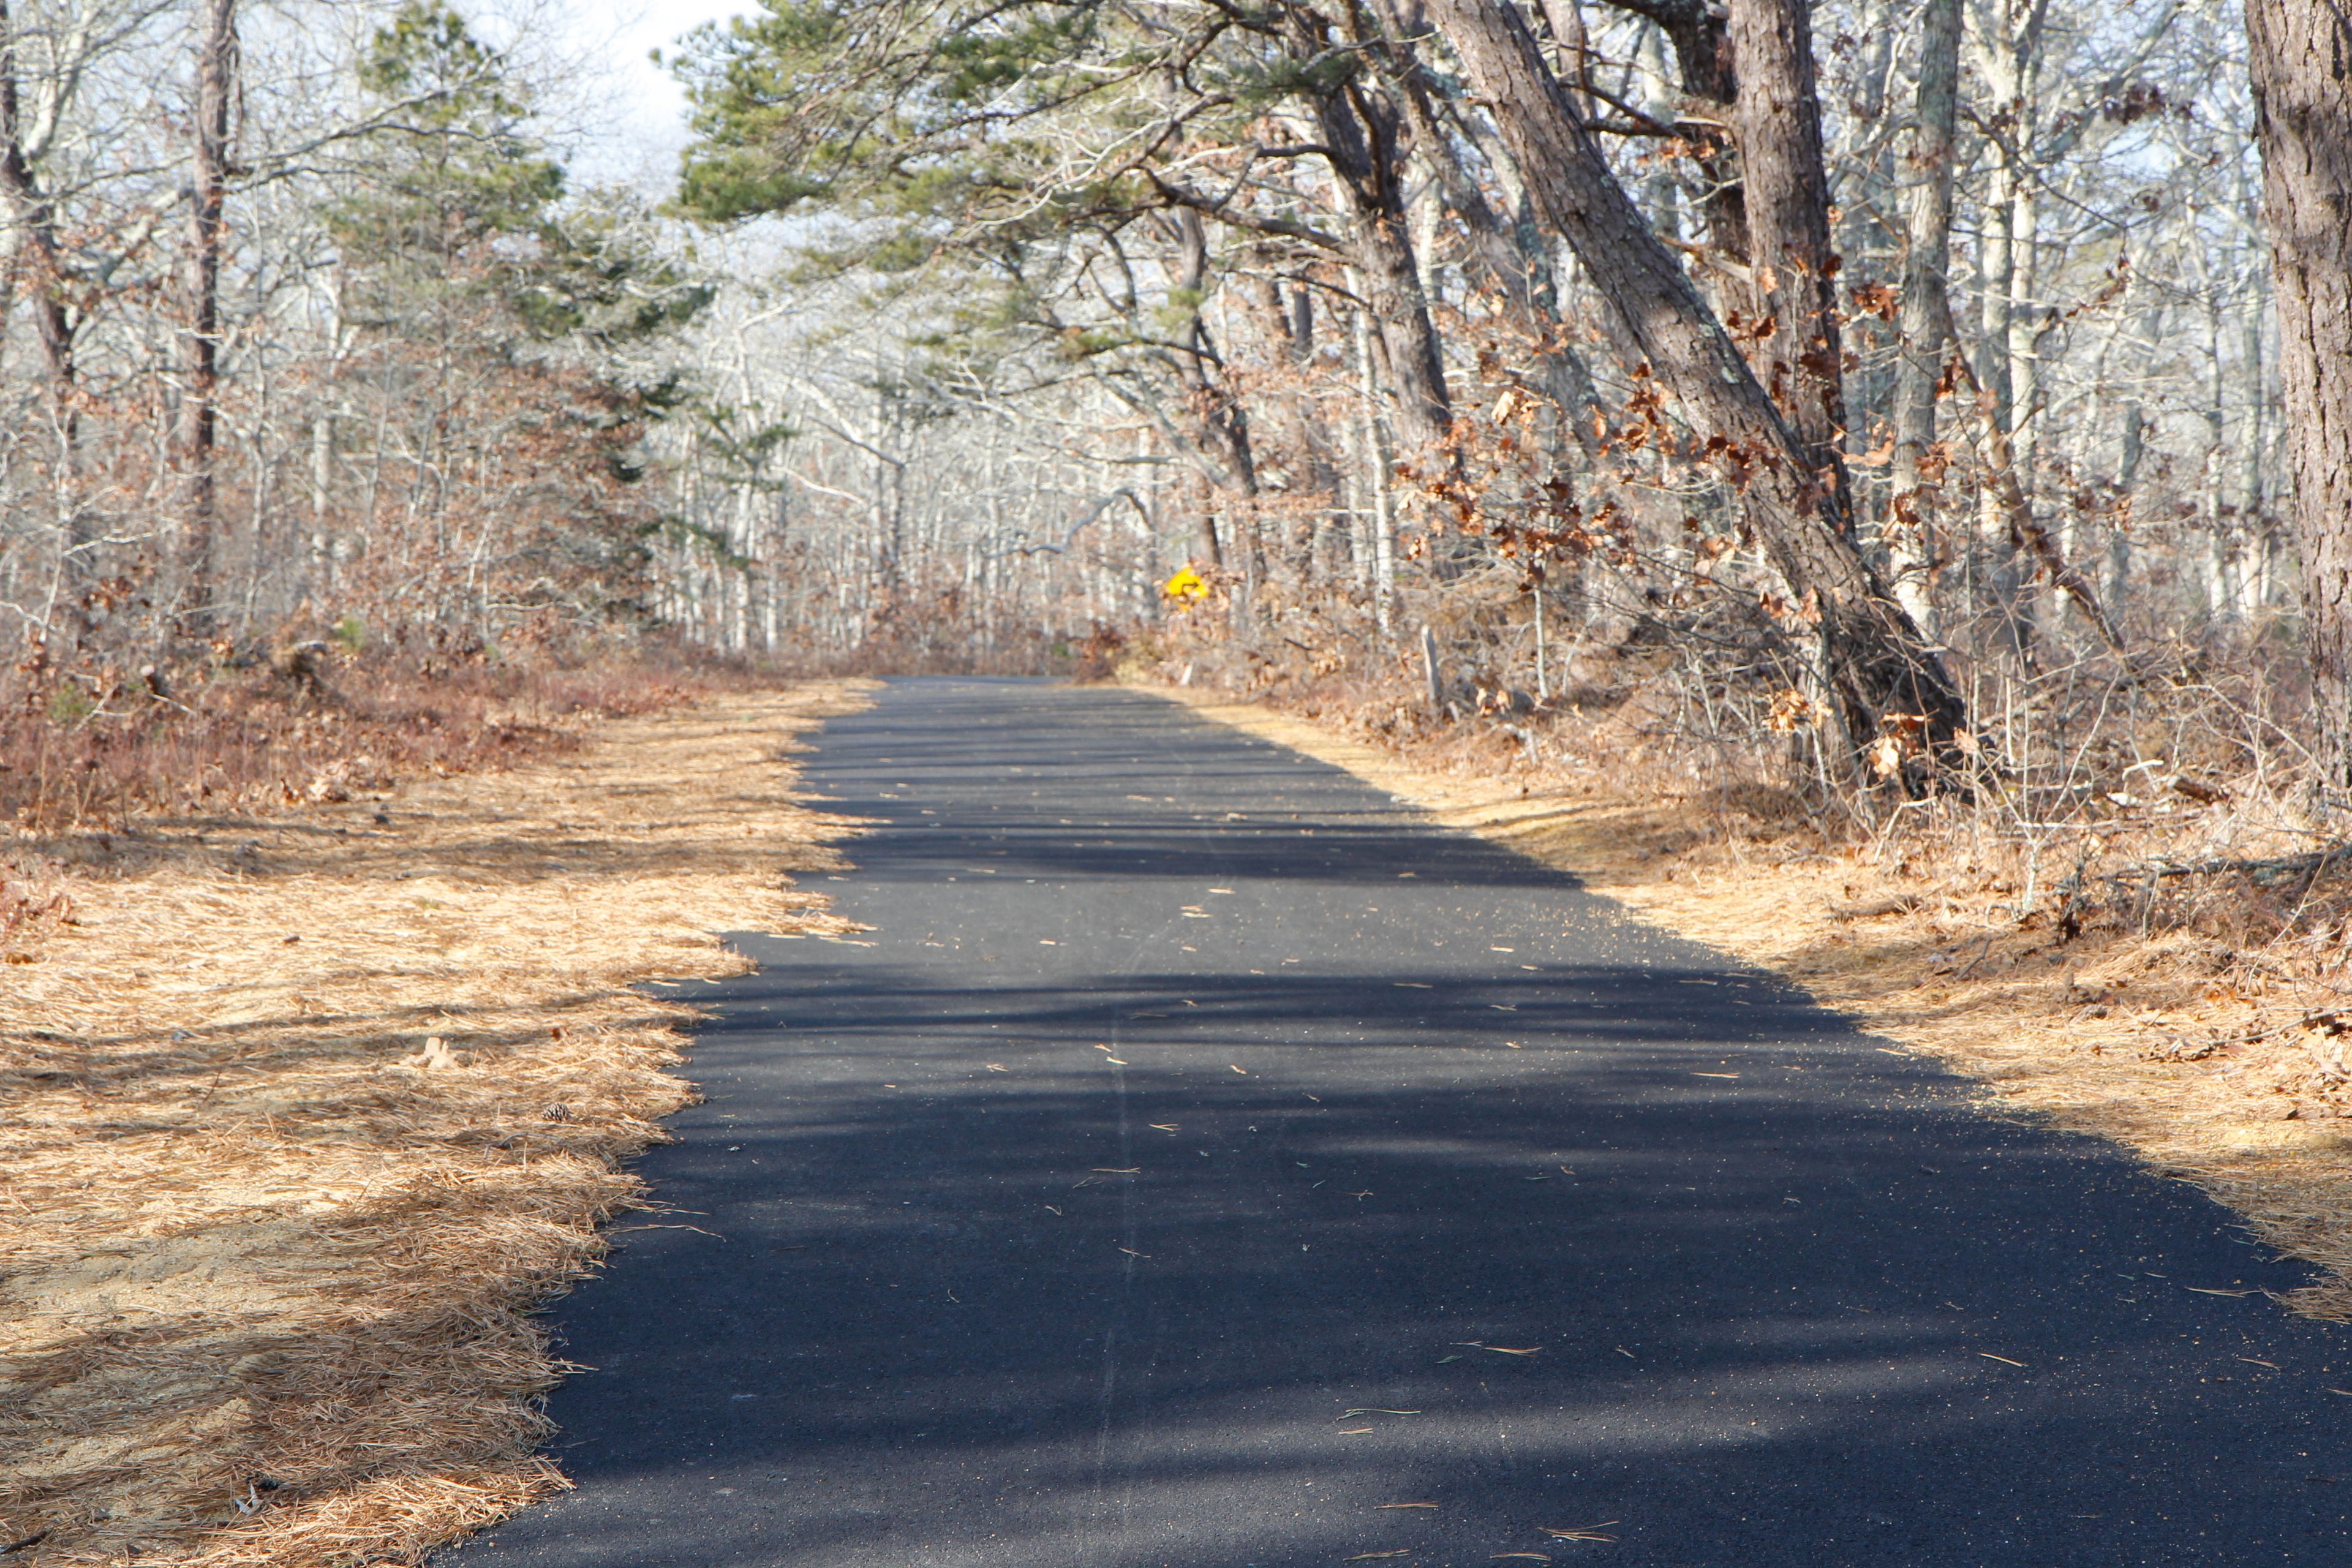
300 718
2172 792
1099 656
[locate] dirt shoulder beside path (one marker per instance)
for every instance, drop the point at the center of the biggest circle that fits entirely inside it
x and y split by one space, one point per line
2144 1042
301 1117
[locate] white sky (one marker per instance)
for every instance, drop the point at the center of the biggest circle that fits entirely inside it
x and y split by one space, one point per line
631 116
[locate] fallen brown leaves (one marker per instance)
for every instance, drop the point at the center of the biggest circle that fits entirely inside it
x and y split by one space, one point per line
2194 1051
304 1115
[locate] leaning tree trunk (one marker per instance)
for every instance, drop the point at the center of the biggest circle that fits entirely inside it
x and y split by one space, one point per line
1872 661
2301 52
1511 258
1359 135
1221 422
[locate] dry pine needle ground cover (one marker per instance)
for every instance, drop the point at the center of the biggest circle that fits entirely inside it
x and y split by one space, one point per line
301 1116
2214 1054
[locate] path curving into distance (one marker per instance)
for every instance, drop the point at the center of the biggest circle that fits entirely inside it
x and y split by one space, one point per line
1203 1165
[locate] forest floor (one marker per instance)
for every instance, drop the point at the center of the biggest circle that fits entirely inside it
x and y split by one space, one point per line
2207 1059
303 1111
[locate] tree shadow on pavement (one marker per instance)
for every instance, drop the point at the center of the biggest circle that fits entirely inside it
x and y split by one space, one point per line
1221 1318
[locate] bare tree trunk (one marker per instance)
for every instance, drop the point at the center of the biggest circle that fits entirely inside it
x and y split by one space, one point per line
2220 563
1998 579
1511 254
33 264
1220 425
1564 20
2254 498
34 217
2007 43
1703 59
1779 115
1381 556
1872 660
2010 44
200 400
1926 306
2028 323
1361 130
34 260
2299 51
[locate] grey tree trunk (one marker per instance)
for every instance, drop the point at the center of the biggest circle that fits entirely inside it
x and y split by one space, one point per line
35 265
1359 129
2301 54
199 407
1564 20
1926 305
34 217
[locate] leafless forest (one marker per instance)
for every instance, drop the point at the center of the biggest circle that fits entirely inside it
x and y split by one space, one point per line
1837 401
1865 485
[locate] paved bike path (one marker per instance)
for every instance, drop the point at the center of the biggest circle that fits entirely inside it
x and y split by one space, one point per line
1201 1164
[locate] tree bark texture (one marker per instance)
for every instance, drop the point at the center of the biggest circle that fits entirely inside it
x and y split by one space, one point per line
1564 20
34 217
1787 187
1872 661
1359 129
1926 300
200 399
1703 59
1220 424
2300 52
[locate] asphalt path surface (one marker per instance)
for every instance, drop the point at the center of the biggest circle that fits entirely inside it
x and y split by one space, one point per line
1203 1165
